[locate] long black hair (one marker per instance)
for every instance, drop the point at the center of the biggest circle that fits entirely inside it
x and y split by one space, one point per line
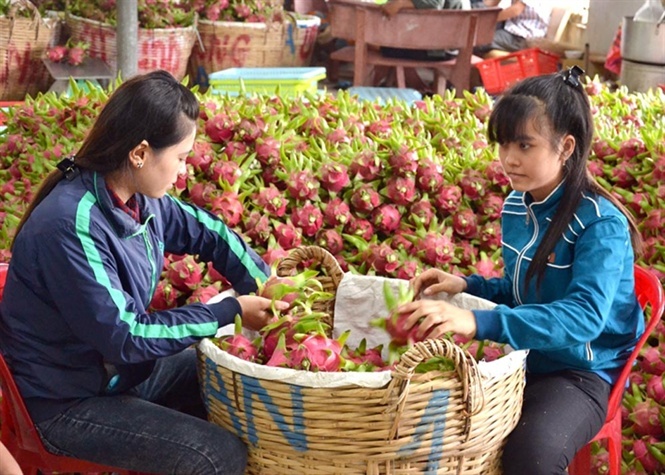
556 104
153 107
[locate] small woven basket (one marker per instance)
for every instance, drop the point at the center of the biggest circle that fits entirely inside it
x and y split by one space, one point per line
158 48
23 44
228 44
436 423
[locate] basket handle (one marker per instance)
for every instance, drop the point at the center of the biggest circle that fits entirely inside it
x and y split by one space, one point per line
465 366
298 255
15 5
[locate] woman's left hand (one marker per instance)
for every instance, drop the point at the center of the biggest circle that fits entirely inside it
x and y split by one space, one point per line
439 318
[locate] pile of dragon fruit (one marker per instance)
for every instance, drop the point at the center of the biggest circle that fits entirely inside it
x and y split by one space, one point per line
299 338
388 189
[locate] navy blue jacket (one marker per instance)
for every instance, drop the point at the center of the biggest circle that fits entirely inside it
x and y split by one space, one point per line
585 315
83 273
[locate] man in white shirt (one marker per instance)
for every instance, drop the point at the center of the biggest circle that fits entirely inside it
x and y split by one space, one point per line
521 21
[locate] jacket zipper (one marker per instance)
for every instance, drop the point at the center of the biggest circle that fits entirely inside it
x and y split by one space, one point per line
589 351
151 257
520 256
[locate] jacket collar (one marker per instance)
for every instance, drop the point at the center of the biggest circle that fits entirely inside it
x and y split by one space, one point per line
550 202
122 223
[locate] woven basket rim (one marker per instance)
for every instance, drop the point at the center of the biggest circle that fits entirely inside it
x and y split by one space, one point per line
101 24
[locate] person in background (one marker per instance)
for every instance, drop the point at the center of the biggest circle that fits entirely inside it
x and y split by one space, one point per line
8 464
412 78
104 379
567 293
521 21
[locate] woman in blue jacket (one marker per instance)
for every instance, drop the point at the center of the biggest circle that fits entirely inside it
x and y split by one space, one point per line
104 379
567 293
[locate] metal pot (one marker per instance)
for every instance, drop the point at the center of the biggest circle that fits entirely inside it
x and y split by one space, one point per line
640 77
643 41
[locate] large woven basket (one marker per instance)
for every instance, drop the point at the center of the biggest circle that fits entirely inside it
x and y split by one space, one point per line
23 44
159 48
434 423
227 44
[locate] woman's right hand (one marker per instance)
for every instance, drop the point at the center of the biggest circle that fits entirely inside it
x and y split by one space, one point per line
433 281
256 311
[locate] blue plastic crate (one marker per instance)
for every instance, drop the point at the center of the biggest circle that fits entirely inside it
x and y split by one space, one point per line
384 94
291 81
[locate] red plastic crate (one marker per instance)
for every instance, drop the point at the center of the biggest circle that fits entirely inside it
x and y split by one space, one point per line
500 73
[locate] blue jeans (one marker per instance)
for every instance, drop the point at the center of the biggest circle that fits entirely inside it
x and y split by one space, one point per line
157 427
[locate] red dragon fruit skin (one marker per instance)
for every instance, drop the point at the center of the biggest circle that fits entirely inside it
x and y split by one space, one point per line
645 417
404 161
228 207
652 361
336 213
219 128
185 274
365 198
366 165
225 171
288 235
317 353
644 457
386 218
334 177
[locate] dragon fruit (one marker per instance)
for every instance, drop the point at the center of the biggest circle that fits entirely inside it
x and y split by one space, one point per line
165 297
257 227
429 176
334 176
303 185
203 293
365 198
318 353
201 156
386 218
448 199
404 161
336 213
220 128
225 171
366 165
185 274
330 240
272 201
309 218
646 417
360 227
201 193
288 235
229 207
465 223
400 190
238 344
436 249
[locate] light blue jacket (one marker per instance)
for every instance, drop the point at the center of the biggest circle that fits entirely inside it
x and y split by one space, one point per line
585 316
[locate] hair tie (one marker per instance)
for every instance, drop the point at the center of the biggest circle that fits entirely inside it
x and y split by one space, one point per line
68 168
572 76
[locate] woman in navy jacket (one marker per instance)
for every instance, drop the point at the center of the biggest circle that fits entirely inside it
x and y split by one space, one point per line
567 293
104 379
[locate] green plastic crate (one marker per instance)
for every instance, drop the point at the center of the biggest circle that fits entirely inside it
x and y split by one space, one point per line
291 81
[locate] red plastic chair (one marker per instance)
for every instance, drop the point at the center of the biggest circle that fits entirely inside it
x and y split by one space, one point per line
20 436
649 292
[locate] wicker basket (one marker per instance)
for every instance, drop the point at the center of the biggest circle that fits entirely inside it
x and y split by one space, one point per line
159 48
435 423
23 43
226 44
